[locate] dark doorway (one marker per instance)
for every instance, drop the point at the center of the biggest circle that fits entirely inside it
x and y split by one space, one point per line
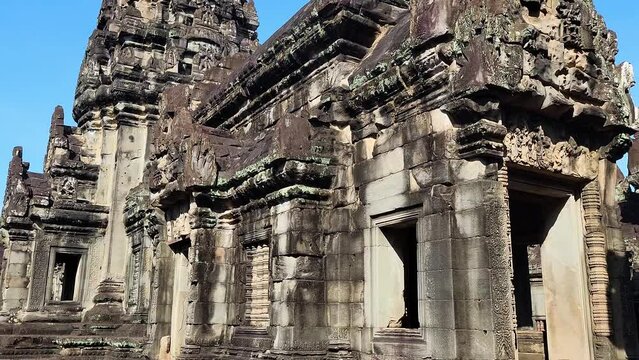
403 239
531 218
65 273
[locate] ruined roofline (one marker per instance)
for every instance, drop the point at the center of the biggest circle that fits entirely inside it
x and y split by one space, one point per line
308 24
599 99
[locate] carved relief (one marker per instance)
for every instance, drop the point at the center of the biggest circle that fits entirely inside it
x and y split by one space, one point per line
531 147
171 59
57 280
504 343
67 189
134 278
182 155
207 57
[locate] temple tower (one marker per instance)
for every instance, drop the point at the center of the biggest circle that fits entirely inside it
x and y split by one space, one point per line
138 50
68 222
383 179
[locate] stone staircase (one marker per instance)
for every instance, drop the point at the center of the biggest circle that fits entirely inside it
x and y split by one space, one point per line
531 345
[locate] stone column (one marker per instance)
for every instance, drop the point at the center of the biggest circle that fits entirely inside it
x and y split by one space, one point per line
212 280
344 259
482 271
16 276
299 290
435 268
161 295
614 317
19 237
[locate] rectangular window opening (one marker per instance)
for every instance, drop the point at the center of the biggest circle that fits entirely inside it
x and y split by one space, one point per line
402 239
65 276
185 68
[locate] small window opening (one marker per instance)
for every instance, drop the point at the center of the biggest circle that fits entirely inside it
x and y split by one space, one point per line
185 68
65 273
403 241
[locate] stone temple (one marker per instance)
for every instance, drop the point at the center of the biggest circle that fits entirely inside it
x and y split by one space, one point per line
382 179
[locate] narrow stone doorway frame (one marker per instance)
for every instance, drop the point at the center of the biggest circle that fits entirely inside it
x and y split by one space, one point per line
564 263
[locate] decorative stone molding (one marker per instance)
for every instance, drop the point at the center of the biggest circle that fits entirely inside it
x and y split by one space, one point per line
532 147
617 148
482 139
597 263
503 178
505 334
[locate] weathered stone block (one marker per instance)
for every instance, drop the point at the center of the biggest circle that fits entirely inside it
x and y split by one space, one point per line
340 266
396 202
436 227
438 314
470 253
472 284
337 220
391 185
472 195
469 223
17 269
338 291
435 255
475 344
445 145
473 314
283 313
301 338
301 268
15 294
379 166
312 314
418 152
438 285
441 343
345 243
297 243
339 315
388 139
357 315
364 149
299 291
417 127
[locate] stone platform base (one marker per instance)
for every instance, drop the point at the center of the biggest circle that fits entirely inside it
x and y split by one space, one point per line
74 341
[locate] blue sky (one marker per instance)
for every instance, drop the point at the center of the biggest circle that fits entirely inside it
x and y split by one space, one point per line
41 51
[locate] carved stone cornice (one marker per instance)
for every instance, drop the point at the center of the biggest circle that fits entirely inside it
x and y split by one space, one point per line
275 179
617 148
141 216
483 139
308 41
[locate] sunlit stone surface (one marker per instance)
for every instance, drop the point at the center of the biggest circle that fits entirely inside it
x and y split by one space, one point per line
382 179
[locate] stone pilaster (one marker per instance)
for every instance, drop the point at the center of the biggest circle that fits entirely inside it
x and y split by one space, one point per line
597 259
